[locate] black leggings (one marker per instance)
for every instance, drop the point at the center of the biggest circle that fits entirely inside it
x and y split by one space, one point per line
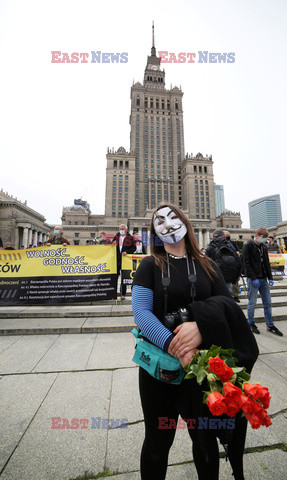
169 401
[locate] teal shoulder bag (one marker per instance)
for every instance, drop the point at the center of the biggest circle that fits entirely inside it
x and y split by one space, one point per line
158 363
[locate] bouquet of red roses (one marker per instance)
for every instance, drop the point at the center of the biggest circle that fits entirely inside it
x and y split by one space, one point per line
229 387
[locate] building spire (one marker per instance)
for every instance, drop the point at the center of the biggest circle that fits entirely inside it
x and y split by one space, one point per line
153 50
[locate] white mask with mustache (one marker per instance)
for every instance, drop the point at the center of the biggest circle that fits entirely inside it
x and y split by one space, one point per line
168 226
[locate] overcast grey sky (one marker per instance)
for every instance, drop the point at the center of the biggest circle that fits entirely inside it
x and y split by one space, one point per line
58 119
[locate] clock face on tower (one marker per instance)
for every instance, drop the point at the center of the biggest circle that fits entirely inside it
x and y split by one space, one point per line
154 67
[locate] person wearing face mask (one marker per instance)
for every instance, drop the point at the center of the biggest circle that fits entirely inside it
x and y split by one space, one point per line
58 238
125 245
235 284
177 277
140 248
259 278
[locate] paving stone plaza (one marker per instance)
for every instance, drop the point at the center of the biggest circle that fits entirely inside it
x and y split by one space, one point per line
72 362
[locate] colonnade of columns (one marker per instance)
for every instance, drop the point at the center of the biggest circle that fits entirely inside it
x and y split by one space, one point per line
32 237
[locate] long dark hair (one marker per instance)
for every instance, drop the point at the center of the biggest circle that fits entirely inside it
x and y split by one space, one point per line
191 245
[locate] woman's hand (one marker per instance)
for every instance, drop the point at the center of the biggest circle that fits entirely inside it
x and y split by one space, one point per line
187 339
186 359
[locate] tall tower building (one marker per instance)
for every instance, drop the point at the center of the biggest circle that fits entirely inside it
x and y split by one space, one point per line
156 169
156 138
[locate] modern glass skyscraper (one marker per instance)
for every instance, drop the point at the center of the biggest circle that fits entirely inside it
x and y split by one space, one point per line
265 211
219 199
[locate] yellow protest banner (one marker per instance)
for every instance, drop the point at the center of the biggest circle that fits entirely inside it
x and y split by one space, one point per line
129 265
277 263
58 274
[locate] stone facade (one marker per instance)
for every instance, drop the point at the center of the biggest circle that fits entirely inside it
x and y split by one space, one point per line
120 185
19 224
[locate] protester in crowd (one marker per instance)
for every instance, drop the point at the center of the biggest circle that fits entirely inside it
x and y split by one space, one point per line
258 272
125 245
235 285
103 240
140 248
22 247
8 246
58 238
225 257
193 283
88 243
1 243
272 245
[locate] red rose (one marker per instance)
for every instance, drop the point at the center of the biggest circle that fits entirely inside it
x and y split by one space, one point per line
258 392
250 389
247 404
215 403
232 406
253 419
219 367
231 391
263 395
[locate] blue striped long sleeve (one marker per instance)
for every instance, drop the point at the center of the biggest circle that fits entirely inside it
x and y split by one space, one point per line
151 327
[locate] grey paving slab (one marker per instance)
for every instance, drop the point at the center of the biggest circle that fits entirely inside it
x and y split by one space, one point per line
261 438
280 427
257 466
20 398
271 342
69 352
22 356
125 398
129 442
7 341
58 454
265 375
124 447
112 350
276 361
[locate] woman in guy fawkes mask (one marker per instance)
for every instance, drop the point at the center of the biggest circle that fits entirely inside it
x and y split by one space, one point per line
175 254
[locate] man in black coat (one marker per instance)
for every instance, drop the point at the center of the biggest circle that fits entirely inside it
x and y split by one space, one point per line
258 272
125 245
225 257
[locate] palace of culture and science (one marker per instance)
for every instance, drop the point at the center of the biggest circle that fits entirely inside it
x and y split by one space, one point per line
157 169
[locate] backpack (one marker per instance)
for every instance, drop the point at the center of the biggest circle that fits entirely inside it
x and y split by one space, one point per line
228 262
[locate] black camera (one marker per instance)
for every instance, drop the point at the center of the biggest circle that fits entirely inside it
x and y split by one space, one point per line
172 320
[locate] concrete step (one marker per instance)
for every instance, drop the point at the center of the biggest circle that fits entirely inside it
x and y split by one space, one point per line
121 310
108 324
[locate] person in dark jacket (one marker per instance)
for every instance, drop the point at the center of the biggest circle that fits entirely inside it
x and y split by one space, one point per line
58 238
235 285
258 273
213 251
272 245
125 245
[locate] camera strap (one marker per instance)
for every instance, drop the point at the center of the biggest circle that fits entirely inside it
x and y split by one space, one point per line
191 275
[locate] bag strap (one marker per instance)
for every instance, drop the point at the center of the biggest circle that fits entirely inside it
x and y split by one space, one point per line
191 275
